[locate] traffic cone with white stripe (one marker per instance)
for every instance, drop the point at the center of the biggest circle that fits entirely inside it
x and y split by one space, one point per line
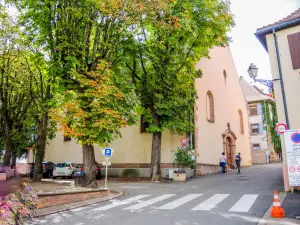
277 211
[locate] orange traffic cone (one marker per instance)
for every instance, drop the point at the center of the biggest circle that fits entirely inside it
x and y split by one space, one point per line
277 211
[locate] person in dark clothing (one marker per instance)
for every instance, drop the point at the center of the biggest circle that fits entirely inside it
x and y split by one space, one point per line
238 162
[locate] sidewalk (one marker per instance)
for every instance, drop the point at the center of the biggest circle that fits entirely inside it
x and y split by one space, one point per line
10 186
61 195
291 205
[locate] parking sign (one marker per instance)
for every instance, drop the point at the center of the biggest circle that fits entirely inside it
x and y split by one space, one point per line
107 152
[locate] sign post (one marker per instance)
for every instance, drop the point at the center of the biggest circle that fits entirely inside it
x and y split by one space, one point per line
292 143
107 152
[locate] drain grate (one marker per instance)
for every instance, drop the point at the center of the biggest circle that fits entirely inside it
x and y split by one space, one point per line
243 179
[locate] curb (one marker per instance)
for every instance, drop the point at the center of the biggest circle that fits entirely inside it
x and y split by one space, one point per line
264 220
66 207
70 192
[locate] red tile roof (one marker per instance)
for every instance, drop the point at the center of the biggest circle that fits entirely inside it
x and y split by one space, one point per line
293 16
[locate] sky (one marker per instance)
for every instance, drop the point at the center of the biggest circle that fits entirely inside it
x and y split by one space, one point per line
250 15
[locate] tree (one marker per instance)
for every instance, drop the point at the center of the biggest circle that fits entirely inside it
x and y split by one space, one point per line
82 40
161 56
40 90
14 99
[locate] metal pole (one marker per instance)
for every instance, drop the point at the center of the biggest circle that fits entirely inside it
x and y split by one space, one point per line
281 81
267 132
191 133
105 187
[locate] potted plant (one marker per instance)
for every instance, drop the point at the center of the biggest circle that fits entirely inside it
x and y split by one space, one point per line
2 173
183 161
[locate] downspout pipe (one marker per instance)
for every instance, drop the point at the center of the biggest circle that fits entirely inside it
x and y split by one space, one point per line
281 80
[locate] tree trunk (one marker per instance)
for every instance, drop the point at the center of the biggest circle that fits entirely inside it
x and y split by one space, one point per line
42 127
8 148
89 166
155 156
13 160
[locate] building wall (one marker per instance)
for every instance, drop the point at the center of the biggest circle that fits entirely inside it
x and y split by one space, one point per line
291 79
258 156
228 100
132 150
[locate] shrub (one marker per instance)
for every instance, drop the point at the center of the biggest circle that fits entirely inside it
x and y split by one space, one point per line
131 173
183 159
15 208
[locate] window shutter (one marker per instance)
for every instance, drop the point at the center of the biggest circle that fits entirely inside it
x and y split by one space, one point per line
259 109
261 128
294 44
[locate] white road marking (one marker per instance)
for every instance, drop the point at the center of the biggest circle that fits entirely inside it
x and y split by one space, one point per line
150 202
211 202
180 201
244 204
118 203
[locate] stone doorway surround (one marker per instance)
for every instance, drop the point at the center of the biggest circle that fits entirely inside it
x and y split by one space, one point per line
229 135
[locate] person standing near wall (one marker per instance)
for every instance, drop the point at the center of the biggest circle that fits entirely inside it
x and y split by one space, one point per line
238 162
223 162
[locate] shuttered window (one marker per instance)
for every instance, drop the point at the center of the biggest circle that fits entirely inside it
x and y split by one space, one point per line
294 43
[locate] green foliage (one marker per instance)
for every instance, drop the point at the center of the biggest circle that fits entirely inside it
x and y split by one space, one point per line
163 52
271 119
184 158
131 173
82 38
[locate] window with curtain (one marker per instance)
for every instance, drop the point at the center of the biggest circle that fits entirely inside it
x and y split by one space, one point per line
210 109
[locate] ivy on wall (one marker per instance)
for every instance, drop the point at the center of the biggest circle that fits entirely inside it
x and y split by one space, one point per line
270 118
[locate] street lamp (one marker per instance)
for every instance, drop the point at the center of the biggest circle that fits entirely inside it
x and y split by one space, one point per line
252 71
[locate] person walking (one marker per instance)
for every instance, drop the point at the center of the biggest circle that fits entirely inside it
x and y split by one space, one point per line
238 162
223 162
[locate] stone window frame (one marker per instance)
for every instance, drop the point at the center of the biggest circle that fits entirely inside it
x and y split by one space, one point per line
251 112
210 103
253 146
253 134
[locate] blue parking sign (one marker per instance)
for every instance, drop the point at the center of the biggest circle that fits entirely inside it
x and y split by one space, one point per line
107 152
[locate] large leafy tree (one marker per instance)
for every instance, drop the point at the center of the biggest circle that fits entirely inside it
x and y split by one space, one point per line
161 57
14 98
82 40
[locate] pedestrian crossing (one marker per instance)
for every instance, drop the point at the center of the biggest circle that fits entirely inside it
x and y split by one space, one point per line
195 202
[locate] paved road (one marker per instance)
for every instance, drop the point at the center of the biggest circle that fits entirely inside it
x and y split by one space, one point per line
229 199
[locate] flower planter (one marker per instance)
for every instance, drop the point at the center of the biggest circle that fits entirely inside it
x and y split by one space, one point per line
179 177
2 176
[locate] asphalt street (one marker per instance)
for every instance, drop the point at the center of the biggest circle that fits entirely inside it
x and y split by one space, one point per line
229 199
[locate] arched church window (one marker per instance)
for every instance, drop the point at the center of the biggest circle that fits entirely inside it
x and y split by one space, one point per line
241 122
210 108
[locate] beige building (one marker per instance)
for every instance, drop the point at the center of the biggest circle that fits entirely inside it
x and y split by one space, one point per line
282 41
219 93
262 150
221 116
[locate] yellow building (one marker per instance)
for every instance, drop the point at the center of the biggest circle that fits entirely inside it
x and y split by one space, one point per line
212 136
282 41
